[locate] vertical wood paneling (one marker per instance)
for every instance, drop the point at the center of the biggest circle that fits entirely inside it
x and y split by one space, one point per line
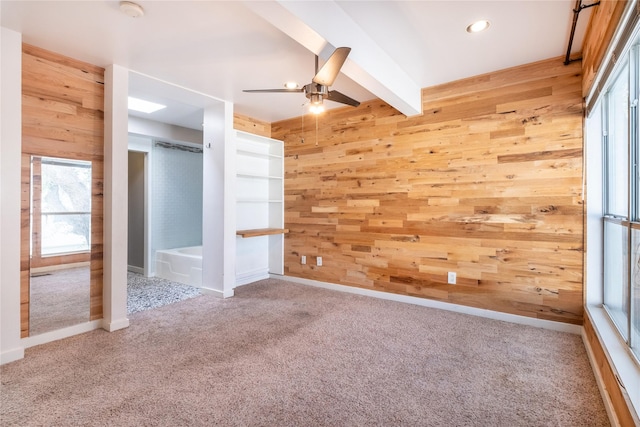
487 183
62 116
603 23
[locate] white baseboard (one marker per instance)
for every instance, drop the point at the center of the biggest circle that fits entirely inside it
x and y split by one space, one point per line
424 302
251 276
115 325
61 333
217 293
11 355
134 269
59 267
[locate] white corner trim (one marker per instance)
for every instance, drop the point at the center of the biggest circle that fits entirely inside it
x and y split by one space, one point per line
424 302
217 293
251 276
11 355
115 325
134 269
61 333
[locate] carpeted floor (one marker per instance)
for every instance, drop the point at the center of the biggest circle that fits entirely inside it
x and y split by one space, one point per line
283 354
59 298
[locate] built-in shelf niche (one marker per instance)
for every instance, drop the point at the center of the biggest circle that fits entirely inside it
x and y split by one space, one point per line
259 207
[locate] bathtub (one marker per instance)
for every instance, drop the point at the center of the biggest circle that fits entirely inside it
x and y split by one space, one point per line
183 265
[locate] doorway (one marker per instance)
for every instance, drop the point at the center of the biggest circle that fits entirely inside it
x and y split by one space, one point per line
136 240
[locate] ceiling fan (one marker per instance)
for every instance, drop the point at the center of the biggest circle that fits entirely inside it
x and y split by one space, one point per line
318 89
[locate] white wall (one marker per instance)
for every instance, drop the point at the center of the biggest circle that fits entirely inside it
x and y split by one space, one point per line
163 131
116 141
11 347
594 208
219 225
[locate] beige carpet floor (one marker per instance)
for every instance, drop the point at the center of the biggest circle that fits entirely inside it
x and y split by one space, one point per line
282 354
59 299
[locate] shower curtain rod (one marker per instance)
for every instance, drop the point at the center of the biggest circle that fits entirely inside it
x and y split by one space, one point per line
181 147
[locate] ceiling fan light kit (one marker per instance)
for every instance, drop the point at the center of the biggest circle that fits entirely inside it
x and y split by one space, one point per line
318 90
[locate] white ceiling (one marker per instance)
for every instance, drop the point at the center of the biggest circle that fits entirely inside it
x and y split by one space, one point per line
219 48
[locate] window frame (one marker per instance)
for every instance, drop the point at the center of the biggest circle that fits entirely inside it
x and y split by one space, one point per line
629 63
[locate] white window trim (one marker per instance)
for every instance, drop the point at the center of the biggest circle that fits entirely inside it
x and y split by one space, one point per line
616 350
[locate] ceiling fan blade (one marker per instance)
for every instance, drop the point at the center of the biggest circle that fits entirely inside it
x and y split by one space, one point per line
336 96
274 90
329 71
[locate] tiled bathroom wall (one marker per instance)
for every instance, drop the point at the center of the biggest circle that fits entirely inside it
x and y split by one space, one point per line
176 198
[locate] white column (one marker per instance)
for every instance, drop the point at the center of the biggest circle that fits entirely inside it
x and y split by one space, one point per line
11 347
115 198
218 228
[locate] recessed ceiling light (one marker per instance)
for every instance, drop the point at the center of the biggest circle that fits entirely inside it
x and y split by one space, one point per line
131 9
143 106
291 85
478 26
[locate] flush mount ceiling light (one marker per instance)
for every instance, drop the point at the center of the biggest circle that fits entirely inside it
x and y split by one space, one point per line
131 9
143 106
478 26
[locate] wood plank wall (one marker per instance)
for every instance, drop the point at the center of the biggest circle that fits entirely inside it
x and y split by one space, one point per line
487 183
251 125
603 23
62 116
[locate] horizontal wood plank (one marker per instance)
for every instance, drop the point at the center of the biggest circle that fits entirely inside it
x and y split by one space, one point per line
487 183
261 232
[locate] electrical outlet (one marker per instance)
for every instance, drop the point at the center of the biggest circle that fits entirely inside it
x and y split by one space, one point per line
319 261
451 278
303 259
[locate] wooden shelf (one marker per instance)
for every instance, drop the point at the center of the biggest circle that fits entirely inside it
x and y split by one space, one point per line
261 232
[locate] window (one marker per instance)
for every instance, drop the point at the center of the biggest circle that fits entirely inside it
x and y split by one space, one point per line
61 206
622 199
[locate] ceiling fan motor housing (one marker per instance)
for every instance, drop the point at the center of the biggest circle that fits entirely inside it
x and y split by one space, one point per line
316 92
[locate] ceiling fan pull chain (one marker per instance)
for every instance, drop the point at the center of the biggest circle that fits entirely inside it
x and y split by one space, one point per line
316 130
302 127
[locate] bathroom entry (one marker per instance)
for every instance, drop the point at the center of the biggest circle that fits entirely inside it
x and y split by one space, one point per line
136 216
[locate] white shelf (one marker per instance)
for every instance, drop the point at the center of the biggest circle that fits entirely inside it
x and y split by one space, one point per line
259 176
259 205
258 154
258 201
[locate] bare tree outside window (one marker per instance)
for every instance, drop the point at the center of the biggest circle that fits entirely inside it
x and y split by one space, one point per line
66 206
